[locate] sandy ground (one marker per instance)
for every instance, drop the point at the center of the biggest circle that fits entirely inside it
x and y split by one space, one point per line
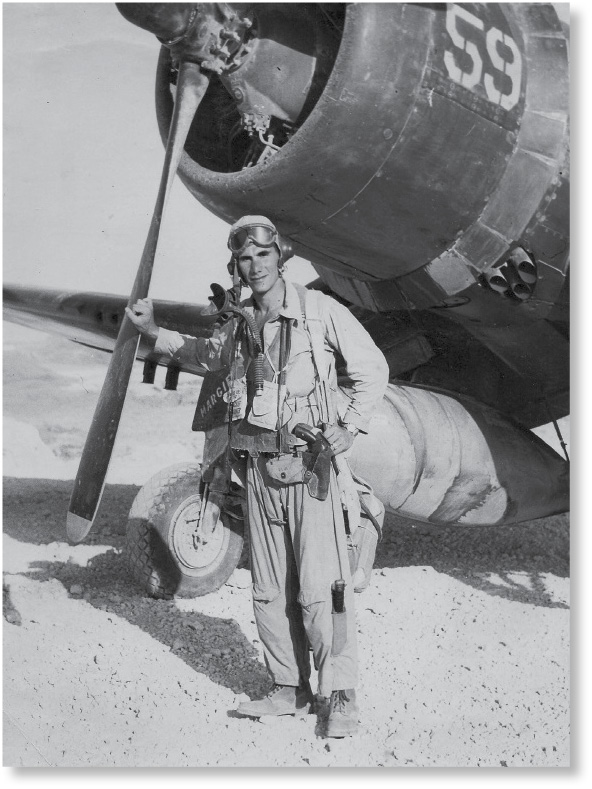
464 633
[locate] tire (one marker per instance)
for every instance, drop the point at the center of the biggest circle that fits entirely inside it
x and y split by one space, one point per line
160 549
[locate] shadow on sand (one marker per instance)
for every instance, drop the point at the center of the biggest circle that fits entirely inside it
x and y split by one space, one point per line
34 512
485 558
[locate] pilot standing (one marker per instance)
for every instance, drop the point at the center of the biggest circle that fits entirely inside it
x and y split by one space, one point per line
297 540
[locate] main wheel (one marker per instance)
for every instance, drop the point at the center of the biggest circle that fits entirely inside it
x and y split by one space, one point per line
167 555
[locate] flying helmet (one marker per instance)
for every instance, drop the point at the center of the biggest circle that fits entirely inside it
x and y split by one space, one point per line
257 230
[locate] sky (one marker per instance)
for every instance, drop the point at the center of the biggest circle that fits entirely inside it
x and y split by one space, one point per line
83 157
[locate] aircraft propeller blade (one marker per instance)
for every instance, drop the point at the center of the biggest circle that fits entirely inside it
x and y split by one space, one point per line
192 84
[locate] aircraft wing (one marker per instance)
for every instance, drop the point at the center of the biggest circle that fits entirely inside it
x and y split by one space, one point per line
493 358
93 319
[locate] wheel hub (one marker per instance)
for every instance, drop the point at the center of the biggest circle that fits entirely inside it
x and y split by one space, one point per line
194 547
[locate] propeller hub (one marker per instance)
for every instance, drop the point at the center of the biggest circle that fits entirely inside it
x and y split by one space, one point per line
214 35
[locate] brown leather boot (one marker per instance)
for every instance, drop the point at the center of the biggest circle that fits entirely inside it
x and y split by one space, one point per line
281 700
343 714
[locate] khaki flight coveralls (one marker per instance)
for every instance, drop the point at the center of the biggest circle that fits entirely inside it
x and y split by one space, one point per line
298 543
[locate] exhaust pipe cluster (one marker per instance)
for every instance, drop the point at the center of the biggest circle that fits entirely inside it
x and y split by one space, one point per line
516 277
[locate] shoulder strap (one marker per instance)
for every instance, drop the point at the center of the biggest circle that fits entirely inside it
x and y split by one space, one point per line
301 291
311 307
316 329
311 312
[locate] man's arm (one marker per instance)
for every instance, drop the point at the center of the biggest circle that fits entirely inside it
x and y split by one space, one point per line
180 347
365 364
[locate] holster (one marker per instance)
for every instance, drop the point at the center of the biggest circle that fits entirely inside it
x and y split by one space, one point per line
317 468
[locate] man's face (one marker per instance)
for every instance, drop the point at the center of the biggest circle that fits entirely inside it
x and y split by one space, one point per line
258 267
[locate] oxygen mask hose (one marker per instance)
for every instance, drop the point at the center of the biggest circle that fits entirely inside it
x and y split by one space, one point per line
224 302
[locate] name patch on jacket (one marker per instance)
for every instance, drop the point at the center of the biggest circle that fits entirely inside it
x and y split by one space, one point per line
212 405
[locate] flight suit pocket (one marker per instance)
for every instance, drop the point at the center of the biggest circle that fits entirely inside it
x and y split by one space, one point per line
264 407
264 593
300 343
307 597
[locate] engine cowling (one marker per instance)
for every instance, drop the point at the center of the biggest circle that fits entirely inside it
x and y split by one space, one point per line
431 142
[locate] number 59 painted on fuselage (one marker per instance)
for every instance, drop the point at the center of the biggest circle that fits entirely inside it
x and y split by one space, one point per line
479 72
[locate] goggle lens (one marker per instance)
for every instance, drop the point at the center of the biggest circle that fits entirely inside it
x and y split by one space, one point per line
262 235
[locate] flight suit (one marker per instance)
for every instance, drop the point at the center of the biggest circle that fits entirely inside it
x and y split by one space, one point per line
298 543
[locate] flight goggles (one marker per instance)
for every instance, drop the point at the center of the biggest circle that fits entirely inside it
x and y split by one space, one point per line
262 235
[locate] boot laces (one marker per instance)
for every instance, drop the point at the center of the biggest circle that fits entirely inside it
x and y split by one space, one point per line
339 700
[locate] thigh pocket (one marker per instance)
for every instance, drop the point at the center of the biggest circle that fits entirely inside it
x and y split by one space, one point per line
307 597
264 593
